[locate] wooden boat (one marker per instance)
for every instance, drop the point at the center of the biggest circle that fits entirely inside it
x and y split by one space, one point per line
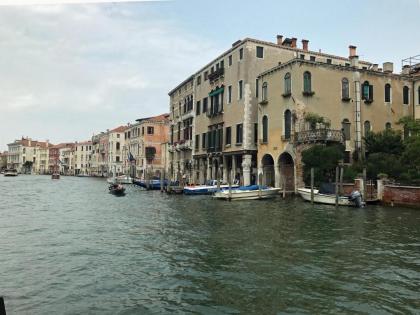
117 189
152 184
208 189
247 193
55 176
10 172
329 199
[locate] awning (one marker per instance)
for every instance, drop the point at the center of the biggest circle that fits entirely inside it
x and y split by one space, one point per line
217 91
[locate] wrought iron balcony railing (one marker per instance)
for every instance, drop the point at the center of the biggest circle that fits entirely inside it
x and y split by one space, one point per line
216 74
318 135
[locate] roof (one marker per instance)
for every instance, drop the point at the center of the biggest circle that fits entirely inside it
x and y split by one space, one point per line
119 129
62 145
159 118
27 142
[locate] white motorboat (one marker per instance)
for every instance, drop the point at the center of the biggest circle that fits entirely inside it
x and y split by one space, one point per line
208 189
10 172
247 193
354 200
123 179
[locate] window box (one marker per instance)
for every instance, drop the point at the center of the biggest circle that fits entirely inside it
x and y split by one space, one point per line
308 93
238 144
346 99
263 102
287 94
368 101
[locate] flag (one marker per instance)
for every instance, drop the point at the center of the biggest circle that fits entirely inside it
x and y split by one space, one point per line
131 157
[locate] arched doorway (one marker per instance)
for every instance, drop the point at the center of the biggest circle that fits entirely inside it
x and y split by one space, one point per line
268 176
287 171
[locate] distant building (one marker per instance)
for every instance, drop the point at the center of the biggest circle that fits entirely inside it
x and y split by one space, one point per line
3 160
22 155
116 142
99 161
82 155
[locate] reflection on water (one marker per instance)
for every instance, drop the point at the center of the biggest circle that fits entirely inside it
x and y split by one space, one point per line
69 247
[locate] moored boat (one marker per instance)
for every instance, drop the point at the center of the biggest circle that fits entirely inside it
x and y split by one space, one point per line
55 176
152 184
247 193
354 200
123 179
208 189
117 189
10 172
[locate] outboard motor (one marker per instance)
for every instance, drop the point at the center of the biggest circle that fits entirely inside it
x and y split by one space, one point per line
356 198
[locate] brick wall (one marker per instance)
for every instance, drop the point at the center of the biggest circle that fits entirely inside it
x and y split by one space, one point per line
401 195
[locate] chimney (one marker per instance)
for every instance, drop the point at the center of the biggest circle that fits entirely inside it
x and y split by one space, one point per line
405 69
279 39
354 61
388 67
352 51
375 67
305 43
294 40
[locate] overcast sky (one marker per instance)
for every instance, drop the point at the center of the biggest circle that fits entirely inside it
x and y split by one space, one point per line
68 71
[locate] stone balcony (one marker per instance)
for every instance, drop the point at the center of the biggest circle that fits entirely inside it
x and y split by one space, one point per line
318 135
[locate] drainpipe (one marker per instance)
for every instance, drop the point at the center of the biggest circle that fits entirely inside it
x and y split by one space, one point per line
358 143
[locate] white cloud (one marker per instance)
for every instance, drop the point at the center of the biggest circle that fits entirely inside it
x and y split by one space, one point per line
94 65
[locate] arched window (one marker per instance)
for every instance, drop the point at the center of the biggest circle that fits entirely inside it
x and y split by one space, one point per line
264 91
345 93
287 84
345 127
265 129
367 127
388 93
388 126
307 82
287 124
406 97
367 91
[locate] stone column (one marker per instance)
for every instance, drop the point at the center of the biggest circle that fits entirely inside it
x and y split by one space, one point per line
225 169
277 179
208 169
246 168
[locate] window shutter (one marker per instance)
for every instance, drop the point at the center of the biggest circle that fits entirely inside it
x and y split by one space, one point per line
370 92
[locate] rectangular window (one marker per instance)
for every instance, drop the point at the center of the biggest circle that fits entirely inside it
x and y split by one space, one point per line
241 54
198 108
229 94
197 142
206 75
347 64
260 52
312 58
239 131
199 80
150 130
222 63
329 61
203 140
205 105
142 131
240 87
257 87
302 56
255 133
228 136
230 60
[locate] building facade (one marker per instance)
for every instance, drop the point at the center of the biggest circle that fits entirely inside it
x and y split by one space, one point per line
22 155
353 99
116 143
82 155
224 114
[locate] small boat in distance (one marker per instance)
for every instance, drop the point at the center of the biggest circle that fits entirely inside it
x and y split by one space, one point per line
117 189
10 172
208 189
55 176
151 184
123 179
354 200
251 192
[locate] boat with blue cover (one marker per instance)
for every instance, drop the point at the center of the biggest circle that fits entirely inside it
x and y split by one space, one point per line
152 184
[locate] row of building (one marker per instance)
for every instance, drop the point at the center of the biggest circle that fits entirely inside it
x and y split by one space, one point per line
134 149
247 112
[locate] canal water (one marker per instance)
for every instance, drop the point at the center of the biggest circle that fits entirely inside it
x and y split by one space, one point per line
69 247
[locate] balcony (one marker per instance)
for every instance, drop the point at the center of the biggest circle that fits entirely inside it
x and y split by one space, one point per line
216 74
318 135
183 145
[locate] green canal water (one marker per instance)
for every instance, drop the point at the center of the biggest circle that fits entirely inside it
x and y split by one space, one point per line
69 247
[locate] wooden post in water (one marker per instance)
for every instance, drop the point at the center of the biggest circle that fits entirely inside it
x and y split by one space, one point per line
337 170
230 185
259 185
284 187
364 184
2 307
312 185
341 179
161 181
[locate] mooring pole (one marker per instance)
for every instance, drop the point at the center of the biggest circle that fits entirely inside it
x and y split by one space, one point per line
2 307
312 185
341 179
230 185
161 181
337 170
364 184
259 185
